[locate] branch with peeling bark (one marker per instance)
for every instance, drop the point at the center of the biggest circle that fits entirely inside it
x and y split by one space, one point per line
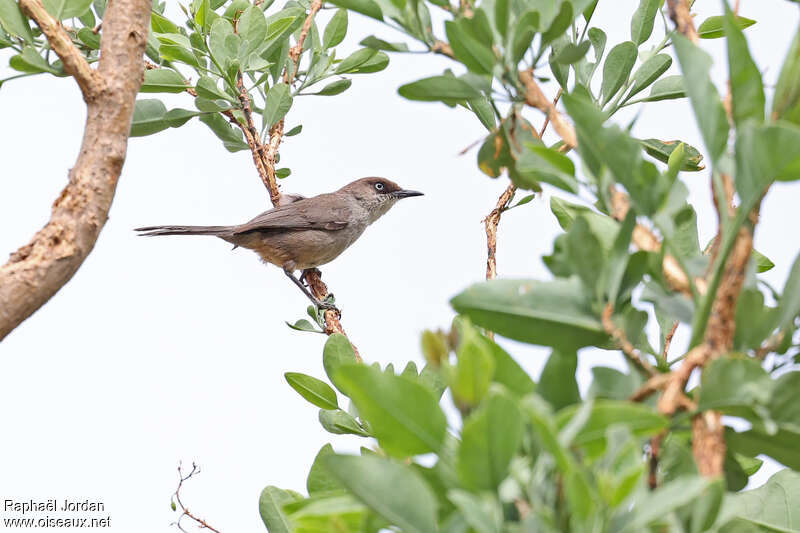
36 271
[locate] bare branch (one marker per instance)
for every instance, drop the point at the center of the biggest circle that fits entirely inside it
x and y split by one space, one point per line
75 63
177 503
35 272
491 222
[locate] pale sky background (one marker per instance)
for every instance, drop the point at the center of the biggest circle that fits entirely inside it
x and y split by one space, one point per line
170 349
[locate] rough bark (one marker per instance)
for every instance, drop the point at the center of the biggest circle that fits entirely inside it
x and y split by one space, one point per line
36 271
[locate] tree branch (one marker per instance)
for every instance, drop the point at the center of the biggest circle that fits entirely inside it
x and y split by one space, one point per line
75 64
35 272
680 15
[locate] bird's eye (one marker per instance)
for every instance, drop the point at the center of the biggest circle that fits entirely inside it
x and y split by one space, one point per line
379 186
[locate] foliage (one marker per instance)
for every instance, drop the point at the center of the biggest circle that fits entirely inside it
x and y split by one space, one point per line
522 455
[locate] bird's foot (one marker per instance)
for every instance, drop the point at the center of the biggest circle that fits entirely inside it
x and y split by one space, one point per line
329 304
307 271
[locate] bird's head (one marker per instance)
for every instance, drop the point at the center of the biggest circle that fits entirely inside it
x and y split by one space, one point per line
377 195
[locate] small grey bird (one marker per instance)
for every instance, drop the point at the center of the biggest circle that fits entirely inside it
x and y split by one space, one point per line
307 232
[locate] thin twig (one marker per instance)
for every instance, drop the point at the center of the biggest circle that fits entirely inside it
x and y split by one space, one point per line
547 117
491 222
534 97
177 503
668 340
625 345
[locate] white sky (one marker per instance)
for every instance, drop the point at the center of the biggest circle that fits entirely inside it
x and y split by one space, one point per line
175 348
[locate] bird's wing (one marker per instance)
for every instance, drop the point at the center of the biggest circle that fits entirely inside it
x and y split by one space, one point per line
299 215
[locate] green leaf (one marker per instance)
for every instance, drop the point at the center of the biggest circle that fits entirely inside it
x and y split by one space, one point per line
162 80
174 52
221 29
339 422
557 383
786 101
379 44
585 253
774 506
617 68
476 56
507 371
355 59
438 88
482 108
207 88
783 405
30 61
337 352
781 446
403 415
734 382
489 440
312 389
13 21
473 371
708 110
482 512
662 150
765 153
572 53
334 88
610 383
649 72
231 137
554 313
294 131
714 27
747 90
67 9
667 88
655 505
525 30
91 39
602 226
612 146
161 24
559 25
320 479
538 163
640 419
501 14
376 63
643 19
335 30
304 325
252 28
148 118
278 103
270 506
394 491
365 7
789 305
763 263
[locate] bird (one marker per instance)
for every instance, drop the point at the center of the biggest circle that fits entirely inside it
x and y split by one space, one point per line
304 233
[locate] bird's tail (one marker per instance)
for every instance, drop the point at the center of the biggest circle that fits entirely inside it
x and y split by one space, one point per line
152 231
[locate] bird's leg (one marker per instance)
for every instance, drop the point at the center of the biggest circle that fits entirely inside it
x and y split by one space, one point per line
322 305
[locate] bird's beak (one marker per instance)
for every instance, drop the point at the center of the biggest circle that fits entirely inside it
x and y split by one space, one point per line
405 193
